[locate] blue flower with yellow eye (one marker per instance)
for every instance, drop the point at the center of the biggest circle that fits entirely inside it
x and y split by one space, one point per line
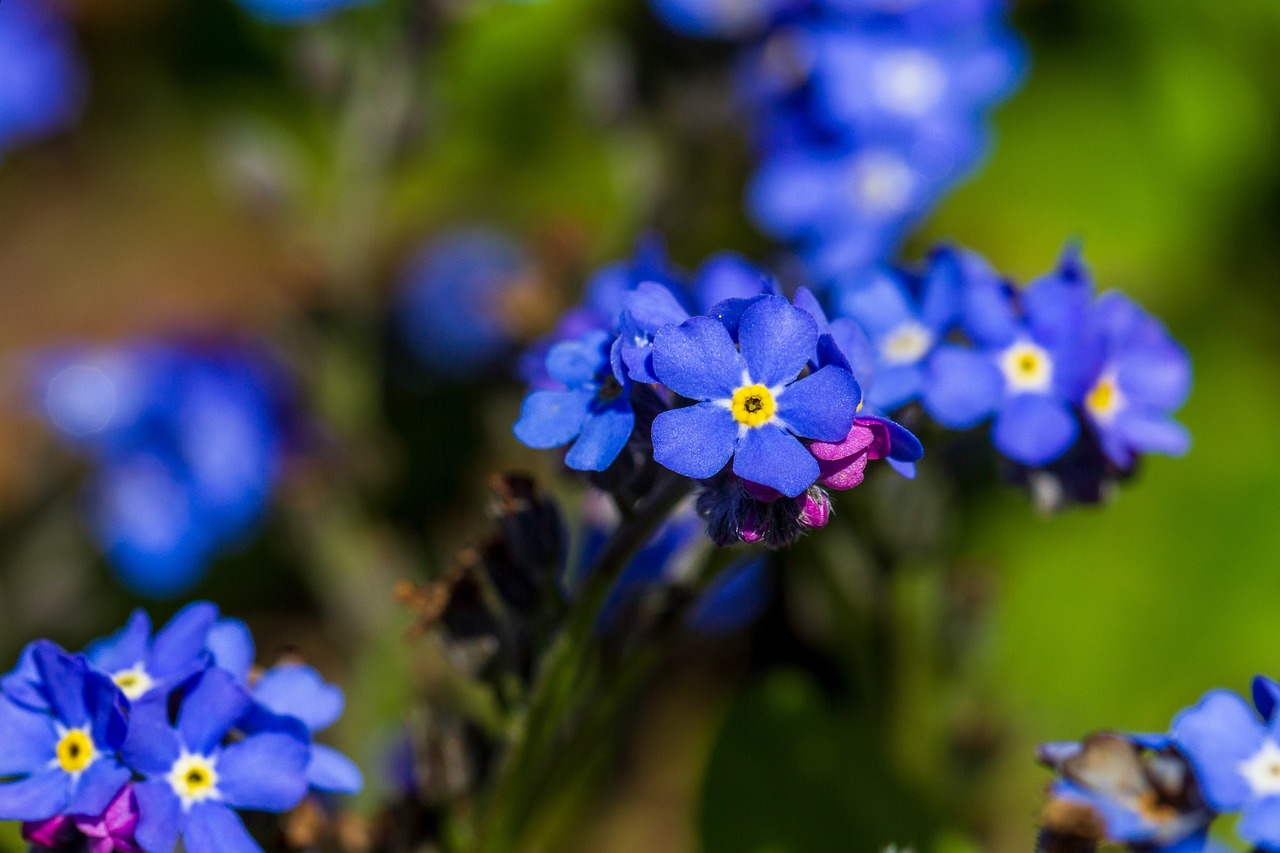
1030 365
61 757
903 327
40 78
752 404
194 777
593 411
1142 377
289 691
140 664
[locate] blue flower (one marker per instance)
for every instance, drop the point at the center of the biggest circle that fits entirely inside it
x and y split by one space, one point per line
293 691
1029 368
141 665
593 411
62 758
735 599
40 78
1143 375
903 330
188 442
753 407
193 780
295 11
1236 758
716 18
456 304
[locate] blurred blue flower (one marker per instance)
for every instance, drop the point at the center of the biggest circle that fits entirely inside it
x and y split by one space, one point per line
188 444
1236 758
1030 366
193 779
903 329
62 759
141 665
717 18
295 11
736 598
1143 375
593 409
41 81
752 407
455 303
290 690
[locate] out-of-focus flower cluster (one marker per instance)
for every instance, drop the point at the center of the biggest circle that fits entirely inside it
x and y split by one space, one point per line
1162 792
186 442
753 397
41 81
144 739
864 113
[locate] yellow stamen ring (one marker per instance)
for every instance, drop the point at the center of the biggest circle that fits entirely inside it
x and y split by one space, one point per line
76 751
753 405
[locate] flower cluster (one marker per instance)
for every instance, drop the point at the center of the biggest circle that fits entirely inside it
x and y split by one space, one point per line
754 398
40 75
865 112
1064 376
187 444
1162 792
144 739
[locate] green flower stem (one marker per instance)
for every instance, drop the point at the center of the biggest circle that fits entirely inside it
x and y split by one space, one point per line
567 678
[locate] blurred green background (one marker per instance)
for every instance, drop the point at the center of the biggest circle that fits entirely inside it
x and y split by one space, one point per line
1147 129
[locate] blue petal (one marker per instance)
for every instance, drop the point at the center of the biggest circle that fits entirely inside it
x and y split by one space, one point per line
160 816
125 648
22 684
696 441
297 690
210 710
822 405
1034 429
179 645
330 770
152 745
896 385
575 364
1216 735
1260 824
856 346
877 302
989 315
943 285
29 740
962 387
777 340
230 642
773 457
727 276
904 446
604 433
729 313
1266 695
698 360
63 678
1152 433
265 772
1158 376
97 787
806 301
653 306
733 600
552 418
37 797
213 828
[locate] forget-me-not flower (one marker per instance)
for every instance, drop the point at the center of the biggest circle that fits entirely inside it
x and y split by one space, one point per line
140 664
753 406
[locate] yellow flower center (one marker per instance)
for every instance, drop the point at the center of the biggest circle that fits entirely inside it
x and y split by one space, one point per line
194 779
1104 399
75 751
1027 368
753 405
134 683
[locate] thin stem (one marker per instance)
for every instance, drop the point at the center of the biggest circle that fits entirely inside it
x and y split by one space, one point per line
536 735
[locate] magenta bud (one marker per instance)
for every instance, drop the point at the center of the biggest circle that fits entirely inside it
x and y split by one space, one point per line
54 832
815 509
